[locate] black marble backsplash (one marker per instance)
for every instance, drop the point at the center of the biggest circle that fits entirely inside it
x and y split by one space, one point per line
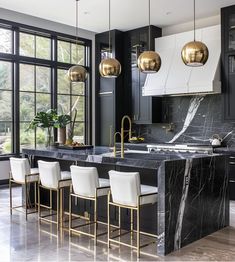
195 119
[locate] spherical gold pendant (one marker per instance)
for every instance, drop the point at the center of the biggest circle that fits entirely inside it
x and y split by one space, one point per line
110 68
77 73
195 54
149 62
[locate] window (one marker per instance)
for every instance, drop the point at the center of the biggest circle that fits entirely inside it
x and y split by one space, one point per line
35 96
71 53
33 68
35 46
6 107
71 100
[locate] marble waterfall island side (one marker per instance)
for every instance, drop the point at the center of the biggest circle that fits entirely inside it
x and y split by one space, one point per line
193 198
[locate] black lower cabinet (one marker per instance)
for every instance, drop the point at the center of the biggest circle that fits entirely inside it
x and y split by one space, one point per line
232 177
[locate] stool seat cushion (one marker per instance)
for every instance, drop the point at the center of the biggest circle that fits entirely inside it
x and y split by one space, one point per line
65 175
103 183
34 170
149 199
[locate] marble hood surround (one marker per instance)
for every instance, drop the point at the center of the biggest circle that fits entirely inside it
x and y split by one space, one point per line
174 77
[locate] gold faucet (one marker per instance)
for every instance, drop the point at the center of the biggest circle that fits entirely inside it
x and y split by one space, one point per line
114 141
122 133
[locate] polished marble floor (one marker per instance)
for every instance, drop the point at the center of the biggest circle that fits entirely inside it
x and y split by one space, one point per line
29 241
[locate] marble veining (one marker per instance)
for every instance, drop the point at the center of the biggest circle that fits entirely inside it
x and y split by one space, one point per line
178 231
192 110
192 190
205 120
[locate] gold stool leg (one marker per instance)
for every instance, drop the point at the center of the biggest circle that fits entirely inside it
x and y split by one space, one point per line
26 201
39 204
70 214
61 206
58 208
10 187
108 218
132 223
119 219
95 220
138 231
35 195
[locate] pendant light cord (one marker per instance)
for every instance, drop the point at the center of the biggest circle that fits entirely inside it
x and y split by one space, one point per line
194 19
149 24
77 30
109 29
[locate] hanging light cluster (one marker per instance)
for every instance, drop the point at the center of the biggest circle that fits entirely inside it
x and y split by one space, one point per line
77 73
195 53
110 67
149 61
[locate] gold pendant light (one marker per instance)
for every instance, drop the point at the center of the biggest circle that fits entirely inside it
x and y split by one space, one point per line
149 61
110 67
195 53
77 73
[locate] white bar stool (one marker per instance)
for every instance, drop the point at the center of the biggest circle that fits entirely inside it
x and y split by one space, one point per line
22 174
87 185
52 179
127 192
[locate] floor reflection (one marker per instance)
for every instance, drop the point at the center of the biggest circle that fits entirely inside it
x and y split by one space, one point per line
21 240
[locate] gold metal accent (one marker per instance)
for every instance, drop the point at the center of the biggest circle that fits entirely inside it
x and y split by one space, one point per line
77 73
137 231
110 67
123 131
27 205
114 141
149 62
72 229
195 54
59 204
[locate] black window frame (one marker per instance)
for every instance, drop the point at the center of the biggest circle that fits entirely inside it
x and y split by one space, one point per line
17 59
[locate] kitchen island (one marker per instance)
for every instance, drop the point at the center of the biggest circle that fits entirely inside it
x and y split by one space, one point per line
193 198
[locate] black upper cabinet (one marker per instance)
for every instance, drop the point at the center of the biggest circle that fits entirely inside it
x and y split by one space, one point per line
109 91
144 110
228 60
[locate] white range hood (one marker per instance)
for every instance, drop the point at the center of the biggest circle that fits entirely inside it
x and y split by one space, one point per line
174 77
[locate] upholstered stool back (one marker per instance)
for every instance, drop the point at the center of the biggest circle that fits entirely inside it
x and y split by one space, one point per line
125 187
85 180
19 168
49 173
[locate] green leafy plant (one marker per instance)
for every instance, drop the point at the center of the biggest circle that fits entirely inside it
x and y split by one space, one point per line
61 121
44 120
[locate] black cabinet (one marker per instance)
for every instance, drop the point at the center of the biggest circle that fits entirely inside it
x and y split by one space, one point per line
228 60
109 92
144 110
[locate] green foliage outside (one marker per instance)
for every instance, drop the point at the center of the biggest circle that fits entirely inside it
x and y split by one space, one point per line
35 93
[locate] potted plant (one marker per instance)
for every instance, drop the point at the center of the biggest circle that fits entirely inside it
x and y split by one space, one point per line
60 122
44 120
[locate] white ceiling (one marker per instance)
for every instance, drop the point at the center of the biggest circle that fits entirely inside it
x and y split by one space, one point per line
125 14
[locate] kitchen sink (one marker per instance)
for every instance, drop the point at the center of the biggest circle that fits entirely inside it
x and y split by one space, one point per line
144 155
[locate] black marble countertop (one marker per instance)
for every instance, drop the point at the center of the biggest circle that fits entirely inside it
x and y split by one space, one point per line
226 150
104 155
